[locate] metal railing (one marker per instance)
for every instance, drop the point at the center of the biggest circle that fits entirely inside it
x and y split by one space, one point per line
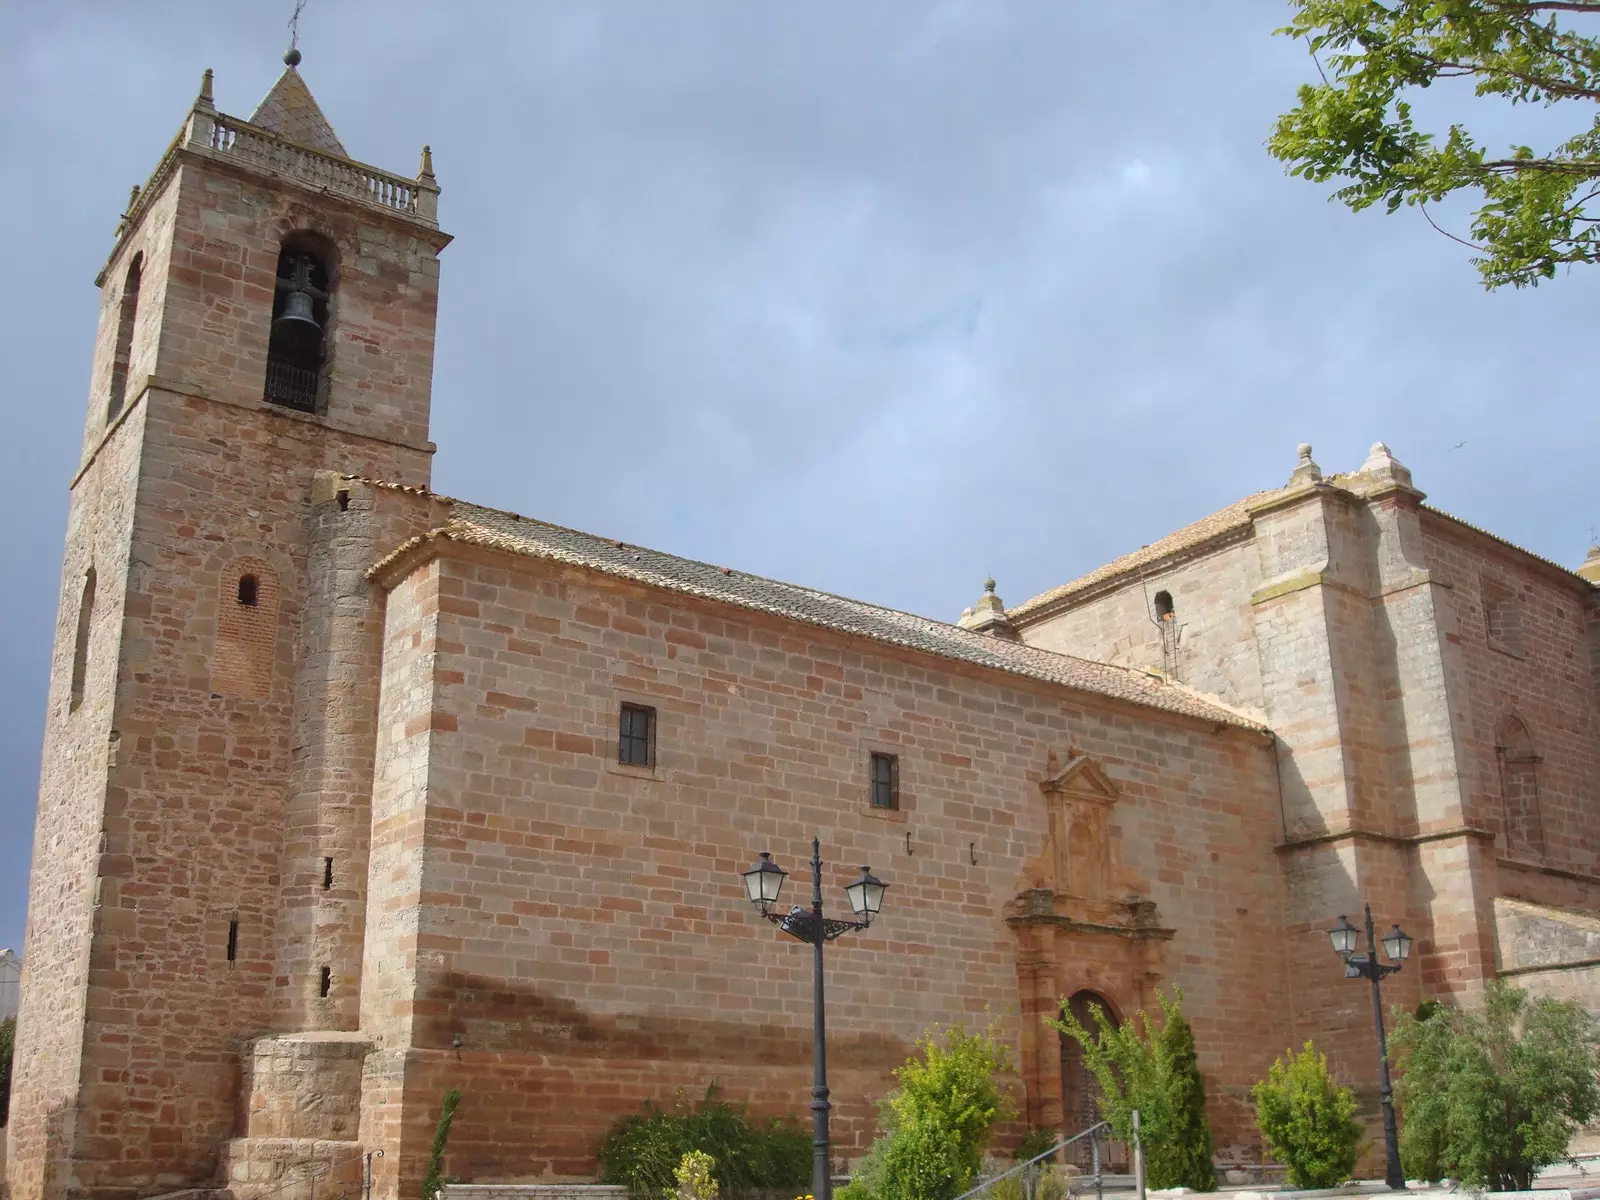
1031 1170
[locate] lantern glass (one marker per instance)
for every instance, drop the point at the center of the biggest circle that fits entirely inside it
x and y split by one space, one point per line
866 894
1397 944
1343 936
764 881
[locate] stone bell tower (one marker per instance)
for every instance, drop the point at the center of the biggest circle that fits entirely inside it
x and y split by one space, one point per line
198 879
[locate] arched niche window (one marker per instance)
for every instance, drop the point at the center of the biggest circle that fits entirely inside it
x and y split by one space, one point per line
1519 787
1164 608
245 656
80 644
297 347
122 353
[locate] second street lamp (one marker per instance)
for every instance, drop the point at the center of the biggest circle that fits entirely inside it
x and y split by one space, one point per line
763 883
1397 945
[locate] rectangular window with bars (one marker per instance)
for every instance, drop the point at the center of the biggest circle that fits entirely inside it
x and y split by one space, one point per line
885 773
636 736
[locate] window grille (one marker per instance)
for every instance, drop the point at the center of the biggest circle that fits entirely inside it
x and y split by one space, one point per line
636 736
885 781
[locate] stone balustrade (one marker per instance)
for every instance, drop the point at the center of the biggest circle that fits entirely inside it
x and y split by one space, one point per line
262 149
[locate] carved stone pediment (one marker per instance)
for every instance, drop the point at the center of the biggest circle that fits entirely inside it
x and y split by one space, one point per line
1077 880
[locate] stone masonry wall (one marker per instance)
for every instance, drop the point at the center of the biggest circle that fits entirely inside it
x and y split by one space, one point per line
196 794
1211 598
563 937
70 848
1546 684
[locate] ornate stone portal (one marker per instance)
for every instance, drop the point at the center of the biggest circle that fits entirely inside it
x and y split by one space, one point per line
1086 930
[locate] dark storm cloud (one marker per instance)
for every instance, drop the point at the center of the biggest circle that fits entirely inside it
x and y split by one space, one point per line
875 297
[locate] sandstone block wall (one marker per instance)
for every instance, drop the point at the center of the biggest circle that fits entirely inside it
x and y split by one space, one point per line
164 796
563 937
1545 682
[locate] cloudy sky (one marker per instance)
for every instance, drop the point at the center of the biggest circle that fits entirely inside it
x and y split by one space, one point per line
879 297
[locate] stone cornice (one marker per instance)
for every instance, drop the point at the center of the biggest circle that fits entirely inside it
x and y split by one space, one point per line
1290 845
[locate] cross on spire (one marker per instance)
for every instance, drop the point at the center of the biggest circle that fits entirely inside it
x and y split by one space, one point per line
292 56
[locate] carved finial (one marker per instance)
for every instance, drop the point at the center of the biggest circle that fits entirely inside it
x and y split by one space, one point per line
988 615
1305 469
203 100
425 170
1590 569
1383 470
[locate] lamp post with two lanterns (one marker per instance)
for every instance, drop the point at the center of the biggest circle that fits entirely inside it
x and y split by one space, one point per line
762 883
1397 945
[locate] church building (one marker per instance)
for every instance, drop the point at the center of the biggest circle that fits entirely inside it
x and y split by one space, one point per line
353 793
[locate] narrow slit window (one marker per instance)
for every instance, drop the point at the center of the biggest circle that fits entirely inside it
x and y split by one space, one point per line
327 982
249 591
233 939
885 773
327 873
80 647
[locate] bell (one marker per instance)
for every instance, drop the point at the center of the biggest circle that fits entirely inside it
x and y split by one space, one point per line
298 315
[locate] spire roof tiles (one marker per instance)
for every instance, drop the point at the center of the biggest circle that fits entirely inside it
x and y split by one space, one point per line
290 111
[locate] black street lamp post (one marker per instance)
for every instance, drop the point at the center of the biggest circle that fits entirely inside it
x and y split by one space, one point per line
763 882
1397 945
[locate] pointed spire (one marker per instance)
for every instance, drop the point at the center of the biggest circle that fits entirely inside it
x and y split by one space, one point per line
291 112
425 168
203 101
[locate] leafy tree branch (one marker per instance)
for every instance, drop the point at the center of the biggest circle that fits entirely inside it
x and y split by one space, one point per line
1356 125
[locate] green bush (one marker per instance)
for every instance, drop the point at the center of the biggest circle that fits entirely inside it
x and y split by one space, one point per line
1494 1094
1308 1120
1156 1072
937 1123
8 1037
1034 1143
642 1150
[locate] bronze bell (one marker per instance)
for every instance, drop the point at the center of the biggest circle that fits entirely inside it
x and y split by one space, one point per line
298 316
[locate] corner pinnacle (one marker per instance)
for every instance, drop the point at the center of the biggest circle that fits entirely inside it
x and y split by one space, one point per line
425 168
203 100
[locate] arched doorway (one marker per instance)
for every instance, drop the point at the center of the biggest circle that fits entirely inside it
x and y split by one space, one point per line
1080 1090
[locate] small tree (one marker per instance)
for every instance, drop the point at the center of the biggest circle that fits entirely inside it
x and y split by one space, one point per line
1494 1094
1156 1071
433 1180
8 1037
1308 1120
1185 1153
937 1122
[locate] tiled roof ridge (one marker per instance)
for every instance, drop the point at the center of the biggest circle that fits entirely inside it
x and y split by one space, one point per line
1047 666
1507 543
1214 528
1189 539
